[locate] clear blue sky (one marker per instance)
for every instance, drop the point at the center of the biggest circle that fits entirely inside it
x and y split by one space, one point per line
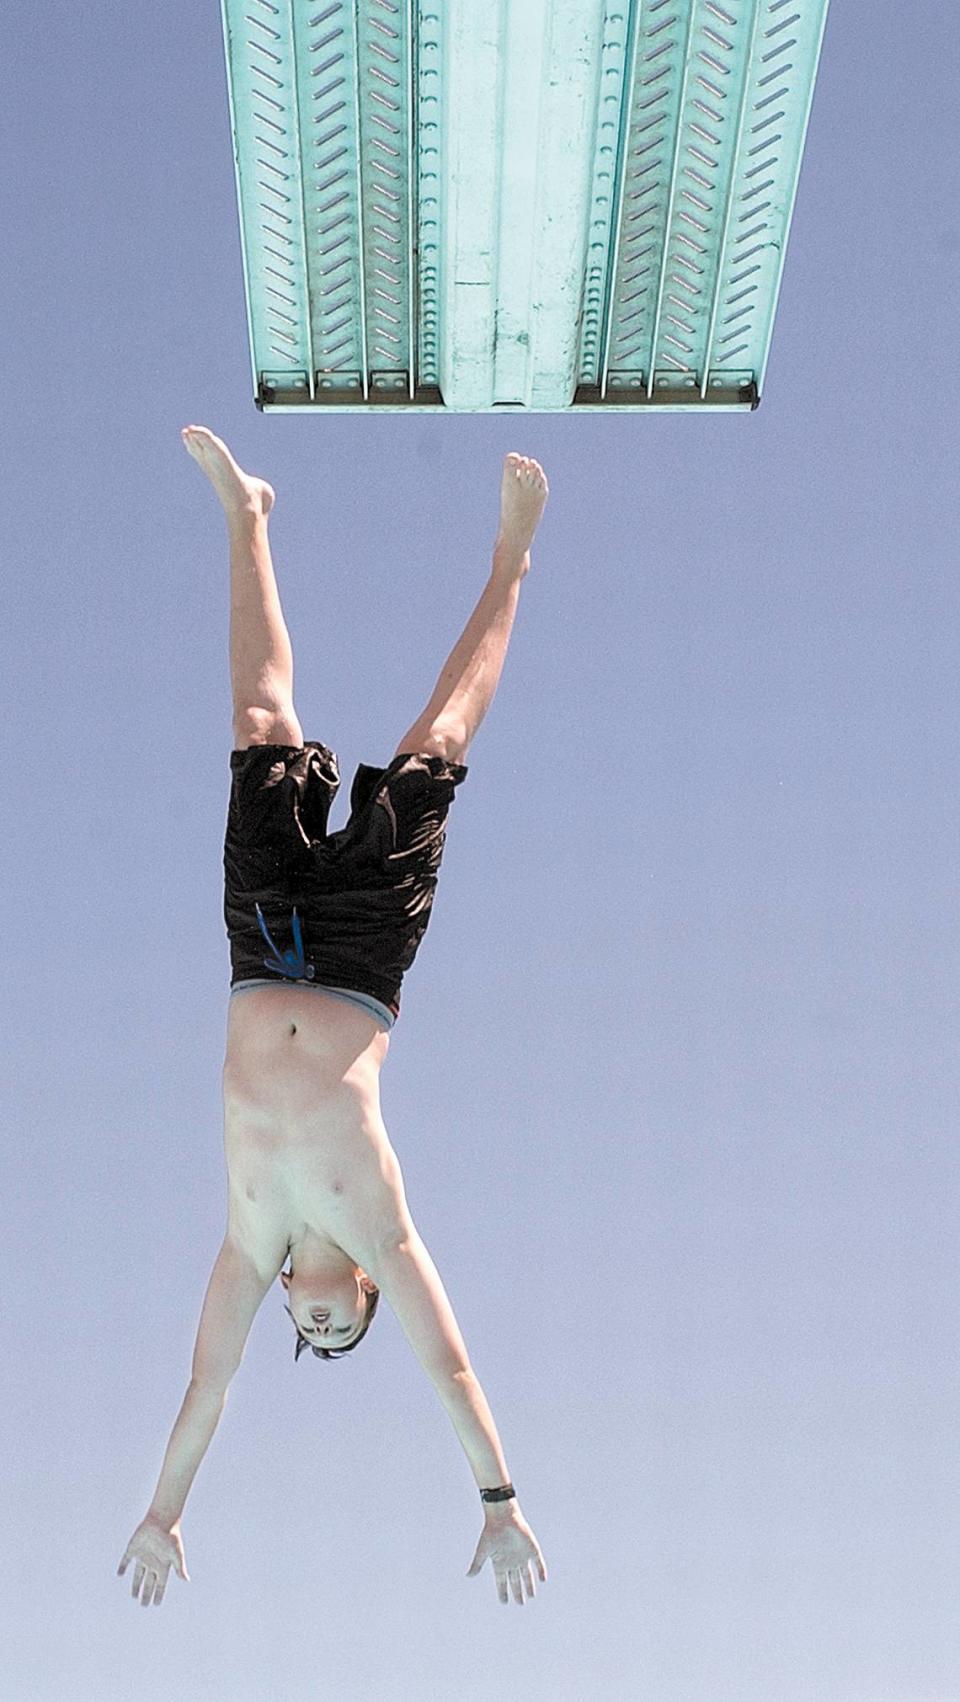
675 1082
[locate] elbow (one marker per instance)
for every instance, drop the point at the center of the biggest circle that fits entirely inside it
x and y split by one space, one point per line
209 1387
454 1374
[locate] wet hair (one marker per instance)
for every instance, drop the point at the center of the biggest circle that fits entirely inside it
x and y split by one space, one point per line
373 1300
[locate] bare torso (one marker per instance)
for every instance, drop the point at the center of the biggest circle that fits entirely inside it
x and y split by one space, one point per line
307 1151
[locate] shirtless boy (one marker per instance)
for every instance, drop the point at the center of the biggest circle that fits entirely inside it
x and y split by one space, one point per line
322 927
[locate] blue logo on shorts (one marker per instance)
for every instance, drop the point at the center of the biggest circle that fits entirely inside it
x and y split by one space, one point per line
291 963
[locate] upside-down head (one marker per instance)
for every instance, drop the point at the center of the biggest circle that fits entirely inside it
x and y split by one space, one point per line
336 1322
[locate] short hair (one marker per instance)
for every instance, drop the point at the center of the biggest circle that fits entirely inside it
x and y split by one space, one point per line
373 1301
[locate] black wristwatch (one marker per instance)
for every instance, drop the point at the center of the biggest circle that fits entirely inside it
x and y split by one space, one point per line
504 1493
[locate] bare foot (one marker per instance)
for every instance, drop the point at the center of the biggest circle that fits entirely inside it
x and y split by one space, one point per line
523 496
237 490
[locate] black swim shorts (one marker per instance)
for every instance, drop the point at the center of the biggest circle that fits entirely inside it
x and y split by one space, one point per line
345 909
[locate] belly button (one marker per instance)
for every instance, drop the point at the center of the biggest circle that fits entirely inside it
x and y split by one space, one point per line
293 1028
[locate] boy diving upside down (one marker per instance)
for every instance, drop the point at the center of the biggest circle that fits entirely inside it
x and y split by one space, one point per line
322 928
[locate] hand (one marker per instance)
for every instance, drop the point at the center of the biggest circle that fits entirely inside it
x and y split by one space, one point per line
509 1543
155 1547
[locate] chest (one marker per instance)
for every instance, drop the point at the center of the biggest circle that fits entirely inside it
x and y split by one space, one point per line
324 1167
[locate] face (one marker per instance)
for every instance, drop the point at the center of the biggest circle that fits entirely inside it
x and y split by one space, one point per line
327 1314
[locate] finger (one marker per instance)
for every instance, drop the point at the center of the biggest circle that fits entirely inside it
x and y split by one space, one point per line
528 1578
148 1587
502 1587
158 1594
123 1565
516 1587
137 1578
541 1568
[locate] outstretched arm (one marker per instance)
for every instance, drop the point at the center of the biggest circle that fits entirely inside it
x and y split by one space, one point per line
234 1293
404 1271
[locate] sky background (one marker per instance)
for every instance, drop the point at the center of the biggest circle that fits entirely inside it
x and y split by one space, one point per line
674 1086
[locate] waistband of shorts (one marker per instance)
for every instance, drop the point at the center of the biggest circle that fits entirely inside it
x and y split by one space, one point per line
366 1001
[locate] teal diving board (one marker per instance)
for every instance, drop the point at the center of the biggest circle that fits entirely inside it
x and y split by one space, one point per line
516 204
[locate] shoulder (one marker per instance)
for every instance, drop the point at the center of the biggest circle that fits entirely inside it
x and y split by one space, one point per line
255 1238
371 1214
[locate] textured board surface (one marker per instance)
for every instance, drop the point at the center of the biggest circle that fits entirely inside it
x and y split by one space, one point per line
551 205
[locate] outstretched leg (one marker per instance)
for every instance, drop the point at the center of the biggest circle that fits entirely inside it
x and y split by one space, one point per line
261 658
471 673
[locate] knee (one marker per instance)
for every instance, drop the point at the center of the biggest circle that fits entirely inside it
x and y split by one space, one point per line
438 739
254 725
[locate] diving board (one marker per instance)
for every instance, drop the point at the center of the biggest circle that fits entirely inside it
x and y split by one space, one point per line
554 205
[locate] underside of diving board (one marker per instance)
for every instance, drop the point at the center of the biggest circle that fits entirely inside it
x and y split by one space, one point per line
554 205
